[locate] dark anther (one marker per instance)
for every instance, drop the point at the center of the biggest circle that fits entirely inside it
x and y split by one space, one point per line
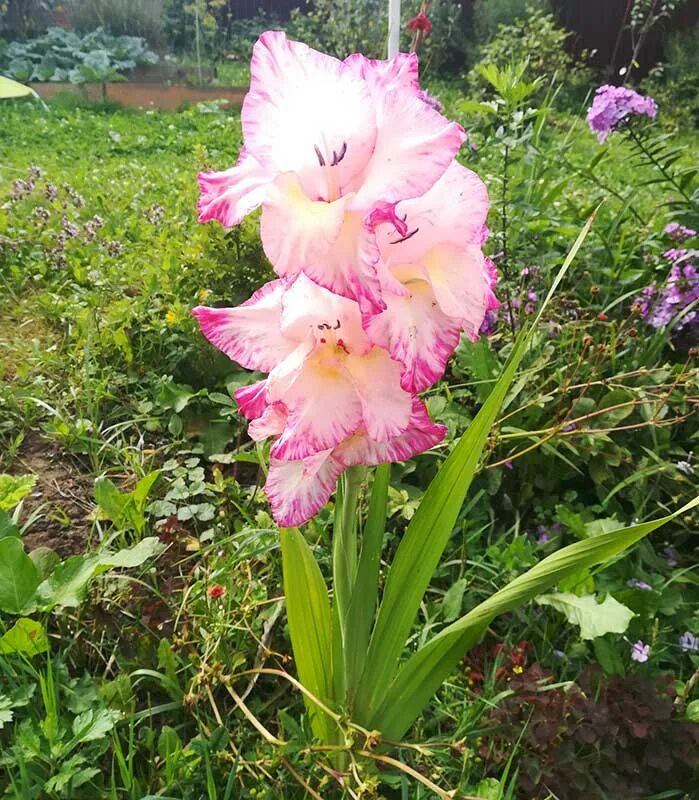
323 341
405 238
321 160
337 325
337 157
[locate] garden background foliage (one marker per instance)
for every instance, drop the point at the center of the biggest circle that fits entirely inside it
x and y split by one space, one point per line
144 608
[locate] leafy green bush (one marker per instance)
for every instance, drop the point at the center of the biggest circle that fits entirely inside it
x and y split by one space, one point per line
489 15
533 39
341 27
119 17
62 55
675 82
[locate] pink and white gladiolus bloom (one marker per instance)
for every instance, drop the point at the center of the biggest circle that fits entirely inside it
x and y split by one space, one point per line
326 142
376 233
332 398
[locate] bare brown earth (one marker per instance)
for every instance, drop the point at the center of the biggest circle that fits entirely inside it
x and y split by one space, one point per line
145 95
62 496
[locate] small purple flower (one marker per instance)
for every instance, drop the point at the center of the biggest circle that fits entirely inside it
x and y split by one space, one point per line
509 465
642 585
689 643
114 248
21 189
675 254
679 232
543 535
50 192
612 105
640 652
70 229
672 556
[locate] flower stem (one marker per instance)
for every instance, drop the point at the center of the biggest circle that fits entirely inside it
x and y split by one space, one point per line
345 541
640 144
345 559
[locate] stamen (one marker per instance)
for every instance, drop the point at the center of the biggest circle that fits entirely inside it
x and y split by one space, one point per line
321 160
337 325
337 157
405 238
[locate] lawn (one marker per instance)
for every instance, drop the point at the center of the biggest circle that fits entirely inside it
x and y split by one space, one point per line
121 410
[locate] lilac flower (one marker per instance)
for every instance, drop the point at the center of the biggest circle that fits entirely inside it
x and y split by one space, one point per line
642 585
612 105
689 643
679 232
640 652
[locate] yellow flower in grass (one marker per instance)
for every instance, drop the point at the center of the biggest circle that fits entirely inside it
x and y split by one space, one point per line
171 317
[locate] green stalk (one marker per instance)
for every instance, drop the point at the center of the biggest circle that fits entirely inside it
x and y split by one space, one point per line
345 542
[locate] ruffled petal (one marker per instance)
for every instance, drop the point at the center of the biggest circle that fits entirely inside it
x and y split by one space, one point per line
250 333
271 423
421 435
400 72
453 210
385 406
252 400
297 490
323 409
460 282
230 195
414 147
305 110
416 332
335 248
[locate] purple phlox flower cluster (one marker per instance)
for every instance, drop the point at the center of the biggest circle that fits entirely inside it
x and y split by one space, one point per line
689 643
640 652
679 232
659 306
642 585
676 255
612 105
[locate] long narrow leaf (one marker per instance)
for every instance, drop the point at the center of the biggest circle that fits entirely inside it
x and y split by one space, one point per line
308 614
425 671
363 604
427 535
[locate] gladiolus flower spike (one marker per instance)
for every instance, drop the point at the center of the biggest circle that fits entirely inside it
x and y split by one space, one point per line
375 232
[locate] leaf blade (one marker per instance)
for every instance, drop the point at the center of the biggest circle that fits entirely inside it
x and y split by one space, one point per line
424 672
